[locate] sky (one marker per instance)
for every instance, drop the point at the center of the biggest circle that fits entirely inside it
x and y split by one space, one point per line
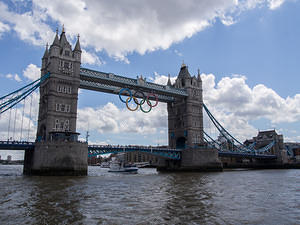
247 52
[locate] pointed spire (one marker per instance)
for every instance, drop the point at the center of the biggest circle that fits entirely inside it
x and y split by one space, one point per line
169 80
183 65
46 53
199 76
77 46
184 72
63 39
56 41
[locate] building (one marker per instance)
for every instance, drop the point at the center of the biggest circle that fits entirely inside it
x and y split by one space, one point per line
137 157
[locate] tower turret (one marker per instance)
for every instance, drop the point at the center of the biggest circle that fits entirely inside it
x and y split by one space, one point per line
77 50
45 57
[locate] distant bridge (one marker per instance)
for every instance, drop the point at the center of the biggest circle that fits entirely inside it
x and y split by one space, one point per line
94 150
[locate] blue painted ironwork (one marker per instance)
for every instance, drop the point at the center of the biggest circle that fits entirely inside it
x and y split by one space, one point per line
13 98
245 155
241 147
17 145
162 152
111 83
94 150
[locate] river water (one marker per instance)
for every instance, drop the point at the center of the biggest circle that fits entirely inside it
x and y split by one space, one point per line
149 197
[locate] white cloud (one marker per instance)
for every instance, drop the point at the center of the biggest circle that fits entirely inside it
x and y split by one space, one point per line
13 77
30 26
274 4
120 28
3 28
111 119
32 72
90 58
161 79
178 53
231 95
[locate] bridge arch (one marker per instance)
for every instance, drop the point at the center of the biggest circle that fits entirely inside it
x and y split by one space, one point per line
181 142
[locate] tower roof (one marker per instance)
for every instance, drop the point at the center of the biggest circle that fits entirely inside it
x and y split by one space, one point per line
63 39
77 46
46 53
199 76
56 41
169 80
184 72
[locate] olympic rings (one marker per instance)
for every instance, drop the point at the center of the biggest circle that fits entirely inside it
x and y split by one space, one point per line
135 100
150 107
138 94
130 94
156 99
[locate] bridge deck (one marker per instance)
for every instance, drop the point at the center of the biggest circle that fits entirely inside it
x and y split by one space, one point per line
105 149
111 83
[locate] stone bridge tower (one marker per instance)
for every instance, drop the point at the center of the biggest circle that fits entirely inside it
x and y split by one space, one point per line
57 150
185 115
185 121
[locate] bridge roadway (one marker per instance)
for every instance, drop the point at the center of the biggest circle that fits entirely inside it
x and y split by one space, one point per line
105 149
111 83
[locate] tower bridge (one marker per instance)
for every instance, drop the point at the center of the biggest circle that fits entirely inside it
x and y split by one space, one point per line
57 150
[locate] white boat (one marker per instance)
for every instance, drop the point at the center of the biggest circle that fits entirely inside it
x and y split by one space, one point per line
117 164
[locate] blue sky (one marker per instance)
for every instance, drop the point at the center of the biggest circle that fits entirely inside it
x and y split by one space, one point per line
247 51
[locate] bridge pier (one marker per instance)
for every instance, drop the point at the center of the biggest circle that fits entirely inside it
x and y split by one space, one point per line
193 160
57 158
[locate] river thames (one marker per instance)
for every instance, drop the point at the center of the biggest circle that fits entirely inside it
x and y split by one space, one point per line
149 197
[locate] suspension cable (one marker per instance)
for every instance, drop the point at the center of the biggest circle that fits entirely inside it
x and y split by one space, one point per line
8 125
22 120
16 110
29 117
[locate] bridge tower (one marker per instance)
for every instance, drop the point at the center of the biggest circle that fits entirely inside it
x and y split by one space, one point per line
57 150
185 122
185 117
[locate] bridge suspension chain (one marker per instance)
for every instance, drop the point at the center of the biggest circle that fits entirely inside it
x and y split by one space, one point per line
22 119
225 134
13 98
29 118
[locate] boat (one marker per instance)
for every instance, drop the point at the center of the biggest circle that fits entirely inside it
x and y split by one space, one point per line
118 164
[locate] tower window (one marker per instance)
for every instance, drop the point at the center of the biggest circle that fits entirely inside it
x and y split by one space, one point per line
56 124
66 127
67 53
62 107
68 108
66 65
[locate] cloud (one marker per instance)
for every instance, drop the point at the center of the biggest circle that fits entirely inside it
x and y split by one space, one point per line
231 95
274 4
178 53
120 28
30 26
90 58
32 72
161 79
3 28
111 119
13 77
